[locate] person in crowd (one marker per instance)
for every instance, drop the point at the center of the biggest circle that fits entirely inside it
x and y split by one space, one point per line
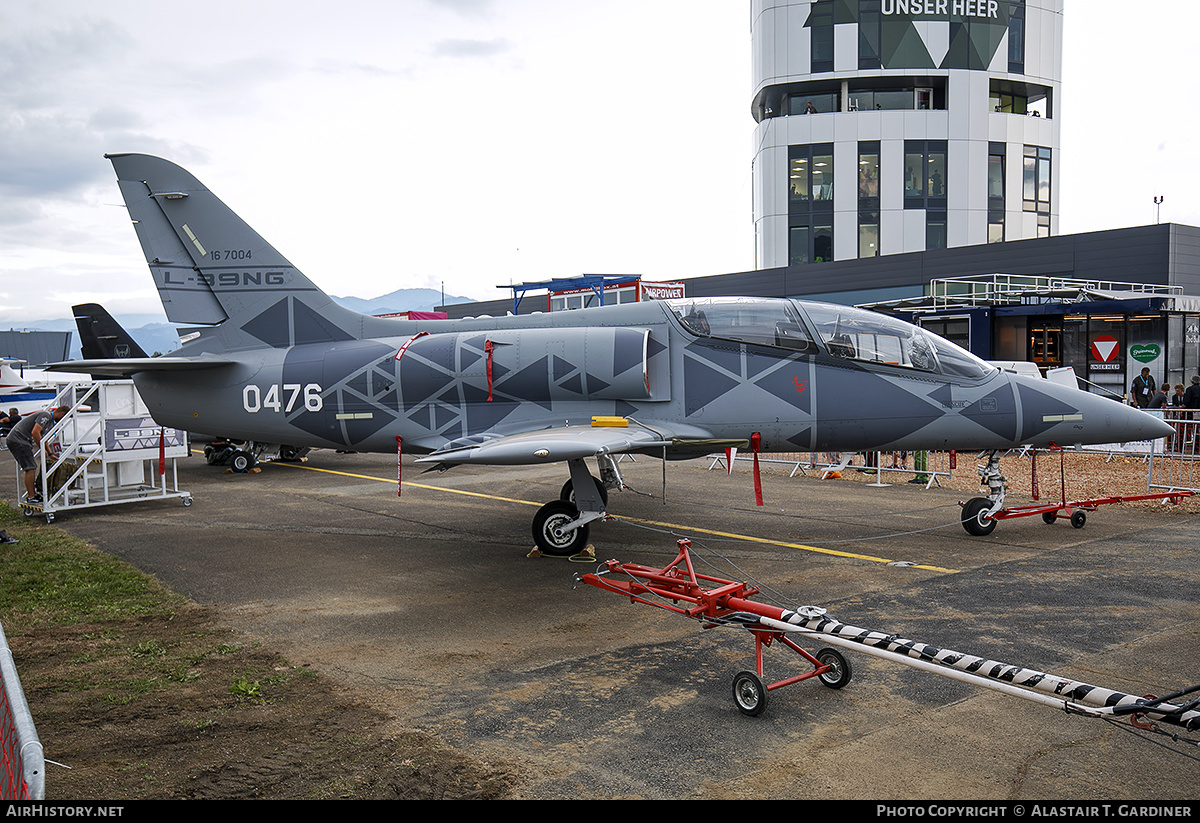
7 421
1191 397
25 441
1143 389
1160 401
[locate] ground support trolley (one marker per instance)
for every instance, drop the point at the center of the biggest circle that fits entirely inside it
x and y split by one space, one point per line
678 588
715 602
105 450
979 520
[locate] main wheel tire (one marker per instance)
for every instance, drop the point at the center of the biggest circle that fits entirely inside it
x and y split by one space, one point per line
1078 518
548 534
1049 518
749 693
840 673
241 462
973 520
568 492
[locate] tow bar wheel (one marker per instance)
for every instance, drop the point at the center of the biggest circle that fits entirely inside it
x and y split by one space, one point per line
839 673
749 693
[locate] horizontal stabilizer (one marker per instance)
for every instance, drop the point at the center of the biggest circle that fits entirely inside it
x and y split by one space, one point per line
123 367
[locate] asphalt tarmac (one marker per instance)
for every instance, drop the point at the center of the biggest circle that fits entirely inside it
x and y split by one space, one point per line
428 605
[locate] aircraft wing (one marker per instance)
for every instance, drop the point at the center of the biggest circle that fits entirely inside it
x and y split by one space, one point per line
122 367
553 444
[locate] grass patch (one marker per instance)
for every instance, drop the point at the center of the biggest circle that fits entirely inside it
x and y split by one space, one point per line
143 694
117 622
51 578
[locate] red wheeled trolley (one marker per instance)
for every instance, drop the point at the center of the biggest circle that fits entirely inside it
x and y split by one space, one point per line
678 588
979 520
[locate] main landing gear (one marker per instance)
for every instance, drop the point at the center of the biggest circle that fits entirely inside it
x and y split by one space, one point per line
561 527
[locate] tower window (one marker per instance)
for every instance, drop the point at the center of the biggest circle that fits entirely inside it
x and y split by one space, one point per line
924 174
810 178
820 22
1036 181
810 242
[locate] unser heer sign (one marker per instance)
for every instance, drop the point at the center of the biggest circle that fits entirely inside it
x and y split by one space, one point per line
949 8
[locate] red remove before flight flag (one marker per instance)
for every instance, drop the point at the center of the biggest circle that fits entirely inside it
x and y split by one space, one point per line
755 444
399 465
487 347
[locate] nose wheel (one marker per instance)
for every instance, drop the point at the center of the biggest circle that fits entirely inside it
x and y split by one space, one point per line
551 533
560 528
974 517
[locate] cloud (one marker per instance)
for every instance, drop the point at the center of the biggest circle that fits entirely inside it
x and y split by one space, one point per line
50 139
467 8
471 49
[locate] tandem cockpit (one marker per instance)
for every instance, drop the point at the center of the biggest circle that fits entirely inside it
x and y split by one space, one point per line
844 332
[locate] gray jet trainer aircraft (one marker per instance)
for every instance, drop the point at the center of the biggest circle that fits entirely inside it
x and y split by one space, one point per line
275 359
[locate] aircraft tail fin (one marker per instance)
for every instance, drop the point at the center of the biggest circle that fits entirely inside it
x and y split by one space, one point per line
101 337
211 268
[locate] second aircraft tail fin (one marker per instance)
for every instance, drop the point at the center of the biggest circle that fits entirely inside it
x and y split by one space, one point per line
101 337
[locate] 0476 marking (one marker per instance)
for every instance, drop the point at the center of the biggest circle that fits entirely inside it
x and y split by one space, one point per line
255 400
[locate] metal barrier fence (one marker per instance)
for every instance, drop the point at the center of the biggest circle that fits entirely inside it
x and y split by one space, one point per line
1175 466
24 767
924 467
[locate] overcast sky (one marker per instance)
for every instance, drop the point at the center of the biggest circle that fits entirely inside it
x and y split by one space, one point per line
410 143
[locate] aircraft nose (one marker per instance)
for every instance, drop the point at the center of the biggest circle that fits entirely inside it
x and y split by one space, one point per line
1119 423
1070 416
1143 426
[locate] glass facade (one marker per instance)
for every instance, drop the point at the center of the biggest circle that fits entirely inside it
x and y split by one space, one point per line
810 204
873 83
1106 350
924 174
1016 37
1035 192
810 177
995 191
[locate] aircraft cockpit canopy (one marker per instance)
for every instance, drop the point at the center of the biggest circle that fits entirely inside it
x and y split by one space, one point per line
847 332
859 334
762 321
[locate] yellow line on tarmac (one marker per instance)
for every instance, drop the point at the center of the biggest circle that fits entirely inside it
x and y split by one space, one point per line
672 526
801 546
410 483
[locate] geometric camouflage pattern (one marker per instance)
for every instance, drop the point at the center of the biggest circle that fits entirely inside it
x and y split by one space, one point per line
936 40
281 362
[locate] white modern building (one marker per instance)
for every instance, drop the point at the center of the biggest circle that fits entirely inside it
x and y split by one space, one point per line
889 126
